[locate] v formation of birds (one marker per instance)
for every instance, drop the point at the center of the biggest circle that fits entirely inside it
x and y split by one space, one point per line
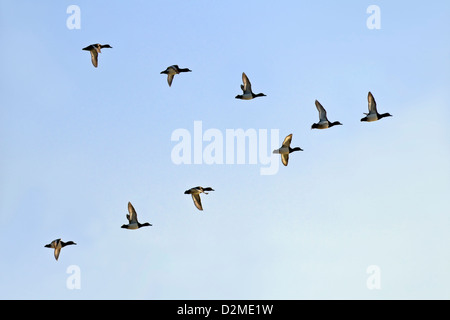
247 94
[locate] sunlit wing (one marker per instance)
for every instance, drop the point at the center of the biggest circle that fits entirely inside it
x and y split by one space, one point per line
285 158
57 251
247 87
94 57
372 103
197 201
170 79
132 217
287 141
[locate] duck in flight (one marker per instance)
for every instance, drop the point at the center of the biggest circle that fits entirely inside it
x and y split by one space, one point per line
95 49
247 90
373 114
172 71
58 245
323 120
133 222
286 149
195 193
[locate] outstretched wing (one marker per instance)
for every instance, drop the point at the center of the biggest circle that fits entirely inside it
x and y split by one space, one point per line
372 103
197 201
322 111
247 86
94 57
132 217
285 158
287 141
170 78
57 252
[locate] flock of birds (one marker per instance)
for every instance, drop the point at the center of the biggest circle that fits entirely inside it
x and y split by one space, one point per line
247 94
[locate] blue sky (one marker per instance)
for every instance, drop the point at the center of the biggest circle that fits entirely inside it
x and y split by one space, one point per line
79 142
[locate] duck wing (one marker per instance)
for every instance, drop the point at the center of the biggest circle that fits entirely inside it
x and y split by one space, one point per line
170 78
132 216
247 86
57 252
287 141
372 103
285 159
322 111
197 201
94 57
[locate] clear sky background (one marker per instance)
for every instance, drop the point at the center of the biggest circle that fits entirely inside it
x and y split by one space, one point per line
77 143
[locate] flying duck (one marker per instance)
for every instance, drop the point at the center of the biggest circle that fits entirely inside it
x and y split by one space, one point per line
195 193
95 49
133 220
286 149
247 89
58 245
373 114
172 71
323 121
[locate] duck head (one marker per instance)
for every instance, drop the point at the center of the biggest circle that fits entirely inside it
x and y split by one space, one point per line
146 224
295 149
259 95
336 123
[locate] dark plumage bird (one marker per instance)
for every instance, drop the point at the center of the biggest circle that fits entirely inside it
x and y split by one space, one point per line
286 149
133 222
373 114
323 120
195 193
58 245
247 90
172 71
95 49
